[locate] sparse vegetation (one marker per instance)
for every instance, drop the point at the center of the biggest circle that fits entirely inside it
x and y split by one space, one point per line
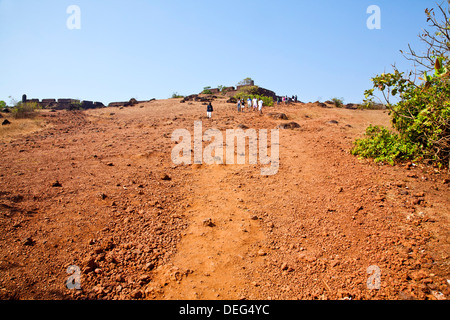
252 92
371 105
338 102
76 105
175 95
24 110
268 101
20 127
246 81
223 89
421 117
207 90
384 146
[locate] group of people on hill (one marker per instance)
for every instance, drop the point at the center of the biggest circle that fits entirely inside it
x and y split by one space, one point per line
286 99
252 104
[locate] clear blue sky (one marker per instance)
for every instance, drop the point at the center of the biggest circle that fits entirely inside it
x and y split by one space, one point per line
151 49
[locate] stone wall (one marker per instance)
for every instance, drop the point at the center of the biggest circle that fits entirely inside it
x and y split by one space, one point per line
48 103
129 103
196 97
217 90
74 104
267 93
117 104
66 104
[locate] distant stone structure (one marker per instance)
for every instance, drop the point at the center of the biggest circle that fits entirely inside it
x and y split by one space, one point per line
64 104
129 103
75 104
117 104
231 91
215 90
196 97
48 103
267 93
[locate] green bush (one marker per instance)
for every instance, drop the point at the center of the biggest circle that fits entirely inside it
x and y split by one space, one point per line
267 101
252 92
249 90
371 105
245 82
24 110
2 104
338 102
176 95
207 90
223 89
421 115
384 146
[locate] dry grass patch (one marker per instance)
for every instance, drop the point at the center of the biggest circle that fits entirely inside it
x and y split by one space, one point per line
20 127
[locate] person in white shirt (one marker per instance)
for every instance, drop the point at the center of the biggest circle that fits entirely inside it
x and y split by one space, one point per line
260 105
249 104
255 104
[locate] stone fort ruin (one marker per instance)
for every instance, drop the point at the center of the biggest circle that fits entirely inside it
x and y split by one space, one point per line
231 91
75 104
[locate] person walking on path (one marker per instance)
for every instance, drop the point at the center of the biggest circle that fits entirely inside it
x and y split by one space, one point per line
239 105
255 104
249 103
209 110
260 105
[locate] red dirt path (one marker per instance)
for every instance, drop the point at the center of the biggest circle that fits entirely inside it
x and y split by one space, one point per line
309 232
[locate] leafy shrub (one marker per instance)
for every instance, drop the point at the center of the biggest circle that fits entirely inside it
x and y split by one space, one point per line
207 90
267 101
245 82
75 105
2 104
421 116
176 95
384 146
371 105
223 89
24 110
338 102
249 90
253 92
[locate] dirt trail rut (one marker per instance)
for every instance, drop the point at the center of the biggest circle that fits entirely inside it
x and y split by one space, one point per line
216 248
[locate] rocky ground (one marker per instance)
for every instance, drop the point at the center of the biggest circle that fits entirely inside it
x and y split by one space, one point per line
98 190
